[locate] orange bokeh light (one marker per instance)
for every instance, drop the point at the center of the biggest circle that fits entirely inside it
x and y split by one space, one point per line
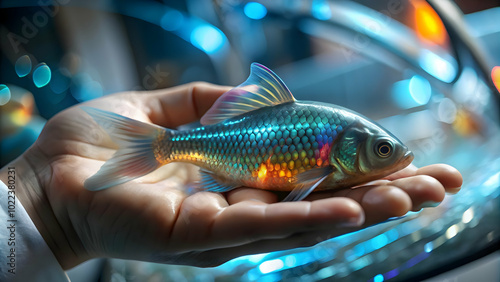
495 76
428 25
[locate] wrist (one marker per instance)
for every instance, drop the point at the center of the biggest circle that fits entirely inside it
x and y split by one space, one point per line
30 192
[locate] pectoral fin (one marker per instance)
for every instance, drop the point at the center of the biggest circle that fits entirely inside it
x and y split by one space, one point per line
307 182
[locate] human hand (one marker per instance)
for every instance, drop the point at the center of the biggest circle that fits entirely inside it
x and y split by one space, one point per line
153 218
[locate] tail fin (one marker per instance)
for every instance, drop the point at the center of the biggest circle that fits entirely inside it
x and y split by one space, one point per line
135 156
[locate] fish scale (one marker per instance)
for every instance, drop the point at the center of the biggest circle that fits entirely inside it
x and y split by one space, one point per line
278 143
257 135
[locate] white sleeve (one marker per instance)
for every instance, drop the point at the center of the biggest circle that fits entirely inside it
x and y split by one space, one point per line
24 255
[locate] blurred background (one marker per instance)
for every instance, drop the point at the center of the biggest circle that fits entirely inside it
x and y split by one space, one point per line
429 71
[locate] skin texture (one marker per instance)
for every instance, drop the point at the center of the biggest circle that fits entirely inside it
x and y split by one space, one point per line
153 218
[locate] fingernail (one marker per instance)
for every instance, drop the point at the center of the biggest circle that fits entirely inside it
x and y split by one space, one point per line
353 222
453 191
429 204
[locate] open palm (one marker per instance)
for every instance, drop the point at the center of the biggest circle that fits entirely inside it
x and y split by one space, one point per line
153 218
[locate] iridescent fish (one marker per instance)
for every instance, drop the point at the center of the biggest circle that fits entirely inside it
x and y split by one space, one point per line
258 135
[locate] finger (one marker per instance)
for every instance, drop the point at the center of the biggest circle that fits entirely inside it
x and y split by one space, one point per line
248 194
383 202
424 190
250 221
379 202
449 176
183 104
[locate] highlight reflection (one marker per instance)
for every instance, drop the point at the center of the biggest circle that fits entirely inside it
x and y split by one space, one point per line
41 75
23 66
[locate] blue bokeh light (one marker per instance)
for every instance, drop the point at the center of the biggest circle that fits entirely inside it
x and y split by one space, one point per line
4 94
321 10
41 75
172 20
420 90
85 88
378 278
207 38
379 241
412 92
428 247
59 82
255 10
23 66
441 68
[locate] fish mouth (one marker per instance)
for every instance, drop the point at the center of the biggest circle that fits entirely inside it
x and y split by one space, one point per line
408 157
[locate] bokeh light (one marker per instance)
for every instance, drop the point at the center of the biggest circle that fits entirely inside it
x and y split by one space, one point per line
495 76
172 20
255 10
20 126
85 88
412 92
466 124
4 94
428 25
321 10
60 81
23 66
441 68
41 75
207 38
420 89
18 111
378 278
271 265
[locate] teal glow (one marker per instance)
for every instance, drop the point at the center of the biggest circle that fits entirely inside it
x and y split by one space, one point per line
420 90
378 278
359 250
255 10
41 75
59 82
207 38
428 247
23 66
172 20
392 235
326 272
321 10
4 94
412 92
84 88
379 241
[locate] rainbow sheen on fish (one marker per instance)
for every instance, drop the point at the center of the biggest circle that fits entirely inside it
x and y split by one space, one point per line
258 135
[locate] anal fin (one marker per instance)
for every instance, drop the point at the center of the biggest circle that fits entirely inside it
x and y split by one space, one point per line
208 182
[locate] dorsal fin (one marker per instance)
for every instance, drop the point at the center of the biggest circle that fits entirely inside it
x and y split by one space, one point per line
263 88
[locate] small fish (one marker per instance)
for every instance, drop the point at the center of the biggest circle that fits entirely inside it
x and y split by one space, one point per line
258 135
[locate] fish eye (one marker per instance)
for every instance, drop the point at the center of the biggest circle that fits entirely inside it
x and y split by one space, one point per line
383 149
